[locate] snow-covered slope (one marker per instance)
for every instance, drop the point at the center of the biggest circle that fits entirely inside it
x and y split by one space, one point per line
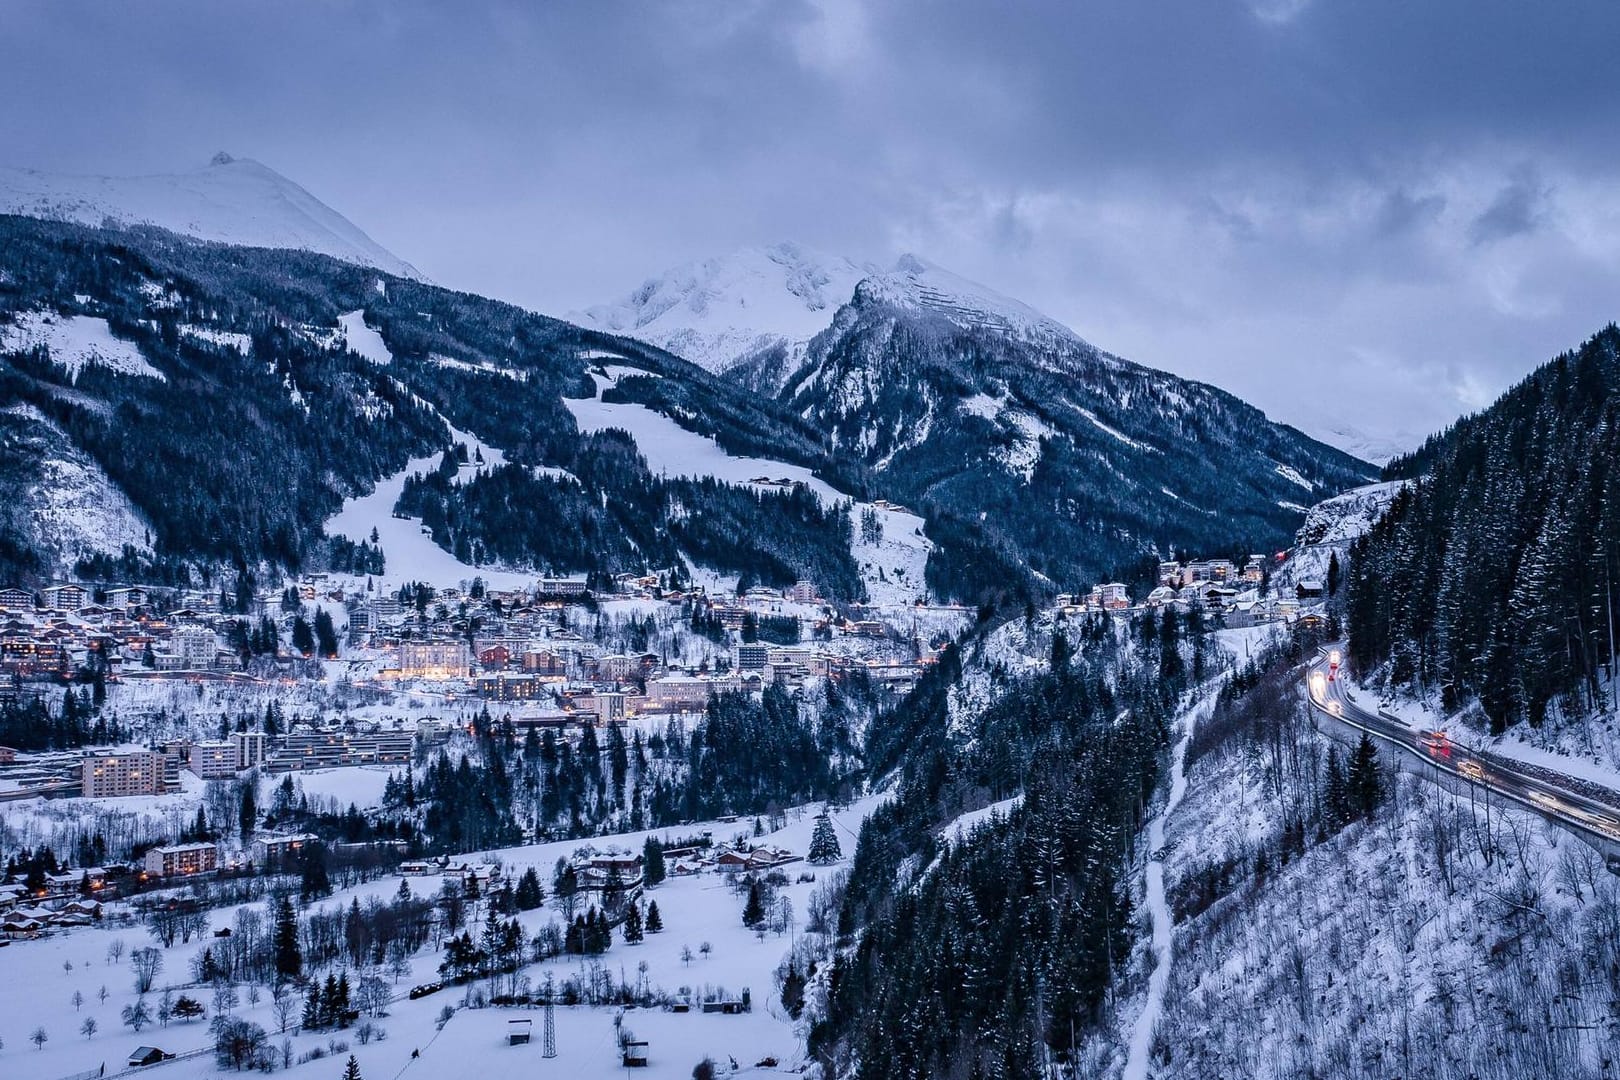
232 200
1331 526
915 282
1376 447
725 311
717 312
59 497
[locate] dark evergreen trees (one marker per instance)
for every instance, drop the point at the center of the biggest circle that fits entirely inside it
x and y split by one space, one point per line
529 894
289 954
652 859
824 846
754 908
1493 574
632 928
655 920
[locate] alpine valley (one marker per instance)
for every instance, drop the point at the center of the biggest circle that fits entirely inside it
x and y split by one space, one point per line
800 666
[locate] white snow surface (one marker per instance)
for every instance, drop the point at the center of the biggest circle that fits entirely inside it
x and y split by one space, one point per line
1147 1022
76 508
231 200
74 341
716 311
38 988
363 340
901 554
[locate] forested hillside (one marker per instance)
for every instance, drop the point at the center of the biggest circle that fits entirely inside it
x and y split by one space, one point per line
990 953
1494 575
224 401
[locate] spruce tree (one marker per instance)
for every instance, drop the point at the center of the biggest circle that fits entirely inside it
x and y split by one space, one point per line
632 924
652 856
754 910
351 1071
824 847
655 921
1364 783
289 954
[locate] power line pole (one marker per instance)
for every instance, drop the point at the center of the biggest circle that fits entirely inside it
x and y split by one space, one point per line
548 1047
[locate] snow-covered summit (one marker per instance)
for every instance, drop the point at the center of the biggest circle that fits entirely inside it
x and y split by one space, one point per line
723 311
716 312
231 200
914 282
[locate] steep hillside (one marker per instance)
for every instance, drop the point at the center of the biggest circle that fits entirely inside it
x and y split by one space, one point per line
975 407
232 200
233 398
1490 577
1416 930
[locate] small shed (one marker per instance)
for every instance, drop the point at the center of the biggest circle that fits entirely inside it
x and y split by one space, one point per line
635 1053
517 1032
147 1055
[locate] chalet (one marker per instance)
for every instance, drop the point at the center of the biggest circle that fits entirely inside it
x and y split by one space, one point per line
495 658
147 1055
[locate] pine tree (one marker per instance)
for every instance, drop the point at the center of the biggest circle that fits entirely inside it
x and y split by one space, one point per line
652 855
289 954
824 847
754 910
655 921
632 924
793 991
303 638
312 1008
1364 784
351 1071
529 894
1335 795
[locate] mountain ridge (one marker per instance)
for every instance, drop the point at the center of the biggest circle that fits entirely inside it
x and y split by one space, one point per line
230 200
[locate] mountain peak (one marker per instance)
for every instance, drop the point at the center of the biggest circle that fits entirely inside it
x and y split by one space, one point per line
230 200
724 311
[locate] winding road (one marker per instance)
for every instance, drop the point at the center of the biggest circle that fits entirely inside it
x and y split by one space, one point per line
1588 809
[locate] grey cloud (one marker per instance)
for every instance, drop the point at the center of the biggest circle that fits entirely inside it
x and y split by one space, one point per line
1518 208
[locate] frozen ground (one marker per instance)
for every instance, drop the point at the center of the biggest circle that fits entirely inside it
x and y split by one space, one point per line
74 341
38 988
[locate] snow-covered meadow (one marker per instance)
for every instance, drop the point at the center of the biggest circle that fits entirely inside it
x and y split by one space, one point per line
42 977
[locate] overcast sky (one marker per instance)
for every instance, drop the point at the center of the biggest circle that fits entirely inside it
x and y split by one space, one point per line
1383 213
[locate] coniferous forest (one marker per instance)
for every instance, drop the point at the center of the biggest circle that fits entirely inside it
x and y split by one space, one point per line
1495 574
983 956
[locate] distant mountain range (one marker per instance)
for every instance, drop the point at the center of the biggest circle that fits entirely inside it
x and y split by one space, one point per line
231 200
1036 460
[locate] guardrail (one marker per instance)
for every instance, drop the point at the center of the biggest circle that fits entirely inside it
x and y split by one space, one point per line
1571 822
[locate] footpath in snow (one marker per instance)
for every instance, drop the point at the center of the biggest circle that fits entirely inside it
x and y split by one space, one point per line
1141 1044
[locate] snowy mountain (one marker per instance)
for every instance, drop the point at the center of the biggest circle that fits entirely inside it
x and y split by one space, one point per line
757 309
231 200
1377 447
725 311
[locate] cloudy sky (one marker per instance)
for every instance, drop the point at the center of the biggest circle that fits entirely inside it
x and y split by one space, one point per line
1373 213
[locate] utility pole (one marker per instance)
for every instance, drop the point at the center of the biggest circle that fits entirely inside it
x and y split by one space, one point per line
548 1040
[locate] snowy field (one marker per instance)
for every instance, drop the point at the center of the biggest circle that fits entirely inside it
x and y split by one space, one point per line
74 341
43 975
